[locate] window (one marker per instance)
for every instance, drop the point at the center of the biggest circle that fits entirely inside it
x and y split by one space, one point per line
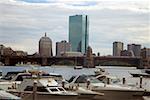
81 79
41 89
54 90
29 88
71 79
61 89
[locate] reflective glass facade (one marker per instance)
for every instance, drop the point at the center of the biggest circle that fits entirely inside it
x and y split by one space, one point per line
79 32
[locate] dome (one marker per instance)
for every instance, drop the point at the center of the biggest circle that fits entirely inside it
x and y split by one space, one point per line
45 39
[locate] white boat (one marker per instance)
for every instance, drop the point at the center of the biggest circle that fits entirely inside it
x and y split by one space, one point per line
111 91
12 82
100 71
46 89
12 79
78 67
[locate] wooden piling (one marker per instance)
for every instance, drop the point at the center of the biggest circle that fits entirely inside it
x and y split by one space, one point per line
124 80
141 81
34 90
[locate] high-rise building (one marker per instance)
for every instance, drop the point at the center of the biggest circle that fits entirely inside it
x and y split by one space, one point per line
79 33
45 47
117 48
62 47
136 48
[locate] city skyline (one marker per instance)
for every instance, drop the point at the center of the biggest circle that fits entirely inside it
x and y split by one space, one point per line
24 23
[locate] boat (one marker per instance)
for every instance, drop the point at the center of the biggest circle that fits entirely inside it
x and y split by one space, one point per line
13 82
100 71
143 74
46 89
7 96
10 75
14 78
111 91
147 71
78 67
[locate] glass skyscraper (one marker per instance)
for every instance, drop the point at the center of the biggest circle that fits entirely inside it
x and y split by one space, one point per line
79 32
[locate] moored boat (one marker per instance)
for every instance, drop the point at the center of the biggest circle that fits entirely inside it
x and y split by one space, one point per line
46 89
111 91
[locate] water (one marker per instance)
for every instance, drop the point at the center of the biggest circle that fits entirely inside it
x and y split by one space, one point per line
68 71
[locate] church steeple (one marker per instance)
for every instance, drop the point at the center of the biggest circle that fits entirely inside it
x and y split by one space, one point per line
45 34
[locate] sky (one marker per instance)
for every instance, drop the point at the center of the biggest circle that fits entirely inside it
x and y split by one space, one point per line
24 22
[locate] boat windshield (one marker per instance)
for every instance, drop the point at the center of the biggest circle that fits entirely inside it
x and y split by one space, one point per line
61 89
85 78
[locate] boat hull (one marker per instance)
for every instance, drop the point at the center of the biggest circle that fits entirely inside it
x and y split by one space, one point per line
44 96
118 95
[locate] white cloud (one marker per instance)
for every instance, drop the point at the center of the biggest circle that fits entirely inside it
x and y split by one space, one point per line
22 23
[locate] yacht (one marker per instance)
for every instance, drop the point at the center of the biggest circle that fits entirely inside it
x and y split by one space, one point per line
12 81
143 74
100 71
46 89
111 91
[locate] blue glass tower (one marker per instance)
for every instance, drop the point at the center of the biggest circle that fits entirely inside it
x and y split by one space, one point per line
79 32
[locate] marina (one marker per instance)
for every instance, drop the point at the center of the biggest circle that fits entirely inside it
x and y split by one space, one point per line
74 50
100 83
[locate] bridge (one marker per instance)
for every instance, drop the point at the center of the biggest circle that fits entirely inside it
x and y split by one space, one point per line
98 60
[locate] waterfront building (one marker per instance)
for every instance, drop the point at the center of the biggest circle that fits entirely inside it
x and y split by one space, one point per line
20 53
88 59
117 48
2 49
136 48
145 54
45 47
62 47
127 53
8 51
72 54
79 33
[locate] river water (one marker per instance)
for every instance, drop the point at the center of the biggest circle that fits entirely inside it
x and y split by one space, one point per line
68 71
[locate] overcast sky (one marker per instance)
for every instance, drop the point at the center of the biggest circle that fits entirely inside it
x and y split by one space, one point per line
23 22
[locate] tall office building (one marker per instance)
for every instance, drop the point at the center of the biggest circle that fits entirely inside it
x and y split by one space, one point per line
45 47
62 47
136 48
79 32
117 48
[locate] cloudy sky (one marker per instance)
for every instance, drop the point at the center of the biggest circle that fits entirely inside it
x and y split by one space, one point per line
23 22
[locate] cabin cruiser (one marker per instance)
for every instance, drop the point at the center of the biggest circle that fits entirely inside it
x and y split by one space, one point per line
46 89
100 71
13 79
140 74
7 96
111 91
13 82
